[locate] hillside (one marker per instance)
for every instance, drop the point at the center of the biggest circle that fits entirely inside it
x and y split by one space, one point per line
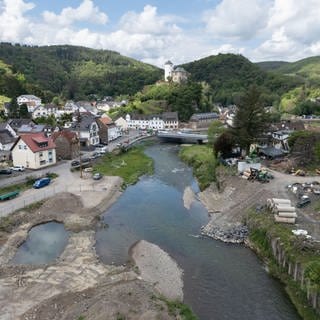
271 65
229 75
11 84
77 72
308 71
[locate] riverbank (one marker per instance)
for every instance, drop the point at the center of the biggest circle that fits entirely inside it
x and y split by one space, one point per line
295 260
76 284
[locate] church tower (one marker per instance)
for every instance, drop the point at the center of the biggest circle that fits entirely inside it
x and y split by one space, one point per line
168 68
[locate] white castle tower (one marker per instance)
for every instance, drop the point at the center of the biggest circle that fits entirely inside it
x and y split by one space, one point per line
168 68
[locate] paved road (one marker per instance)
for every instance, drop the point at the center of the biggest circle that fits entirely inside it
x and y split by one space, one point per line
66 181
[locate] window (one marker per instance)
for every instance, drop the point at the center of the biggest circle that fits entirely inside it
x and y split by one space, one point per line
25 147
40 154
42 162
20 146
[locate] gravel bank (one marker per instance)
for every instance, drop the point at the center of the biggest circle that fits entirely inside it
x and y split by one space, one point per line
158 268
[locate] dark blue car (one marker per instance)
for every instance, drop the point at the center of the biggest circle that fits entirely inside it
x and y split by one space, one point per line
41 183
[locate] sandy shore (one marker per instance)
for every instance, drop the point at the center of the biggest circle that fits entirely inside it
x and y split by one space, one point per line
157 267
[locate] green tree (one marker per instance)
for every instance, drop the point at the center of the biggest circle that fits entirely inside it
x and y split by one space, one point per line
216 128
250 120
224 144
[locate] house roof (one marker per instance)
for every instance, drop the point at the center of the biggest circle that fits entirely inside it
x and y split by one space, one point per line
35 140
169 62
29 96
204 116
170 116
17 123
105 120
26 128
179 69
6 137
86 119
69 135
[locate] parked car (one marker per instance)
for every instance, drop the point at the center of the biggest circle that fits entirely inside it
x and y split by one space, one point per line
18 168
303 202
5 171
40 183
95 155
75 163
97 176
101 149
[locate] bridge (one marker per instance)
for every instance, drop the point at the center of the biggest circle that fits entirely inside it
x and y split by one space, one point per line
182 137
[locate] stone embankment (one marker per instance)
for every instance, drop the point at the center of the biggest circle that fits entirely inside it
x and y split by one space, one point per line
228 207
237 234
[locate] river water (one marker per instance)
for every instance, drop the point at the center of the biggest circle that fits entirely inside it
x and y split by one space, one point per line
220 281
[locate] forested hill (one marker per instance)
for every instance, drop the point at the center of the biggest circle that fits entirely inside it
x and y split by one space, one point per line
77 72
271 65
229 75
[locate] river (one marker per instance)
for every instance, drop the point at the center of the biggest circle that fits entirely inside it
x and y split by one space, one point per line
220 281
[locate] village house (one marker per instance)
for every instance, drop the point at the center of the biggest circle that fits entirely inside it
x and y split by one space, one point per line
122 124
67 144
113 131
30 101
88 130
144 122
34 151
202 120
45 111
170 120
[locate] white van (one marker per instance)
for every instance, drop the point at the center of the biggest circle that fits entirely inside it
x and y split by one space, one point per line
102 149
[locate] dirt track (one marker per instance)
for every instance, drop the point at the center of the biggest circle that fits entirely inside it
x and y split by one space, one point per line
228 207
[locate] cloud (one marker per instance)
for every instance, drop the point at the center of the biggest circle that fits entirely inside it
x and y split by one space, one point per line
85 12
149 22
292 31
237 19
13 24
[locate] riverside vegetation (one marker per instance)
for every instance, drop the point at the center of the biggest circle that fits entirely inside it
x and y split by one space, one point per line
128 165
203 161
292 259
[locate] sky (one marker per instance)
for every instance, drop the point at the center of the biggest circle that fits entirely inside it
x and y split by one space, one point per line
177 30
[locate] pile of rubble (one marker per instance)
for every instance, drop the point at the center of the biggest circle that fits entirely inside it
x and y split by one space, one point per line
282 209
236 234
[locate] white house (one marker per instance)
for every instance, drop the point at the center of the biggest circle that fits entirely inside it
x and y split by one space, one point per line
121 123
44 111
143 122
29 100
34 151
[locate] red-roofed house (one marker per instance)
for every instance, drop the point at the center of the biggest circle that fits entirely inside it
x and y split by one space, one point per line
67 144
34 151
108 130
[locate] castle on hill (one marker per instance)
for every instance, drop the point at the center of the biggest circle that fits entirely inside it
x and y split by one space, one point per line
177 75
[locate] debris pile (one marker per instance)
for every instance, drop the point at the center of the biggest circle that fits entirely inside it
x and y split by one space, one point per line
282 209
261 175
